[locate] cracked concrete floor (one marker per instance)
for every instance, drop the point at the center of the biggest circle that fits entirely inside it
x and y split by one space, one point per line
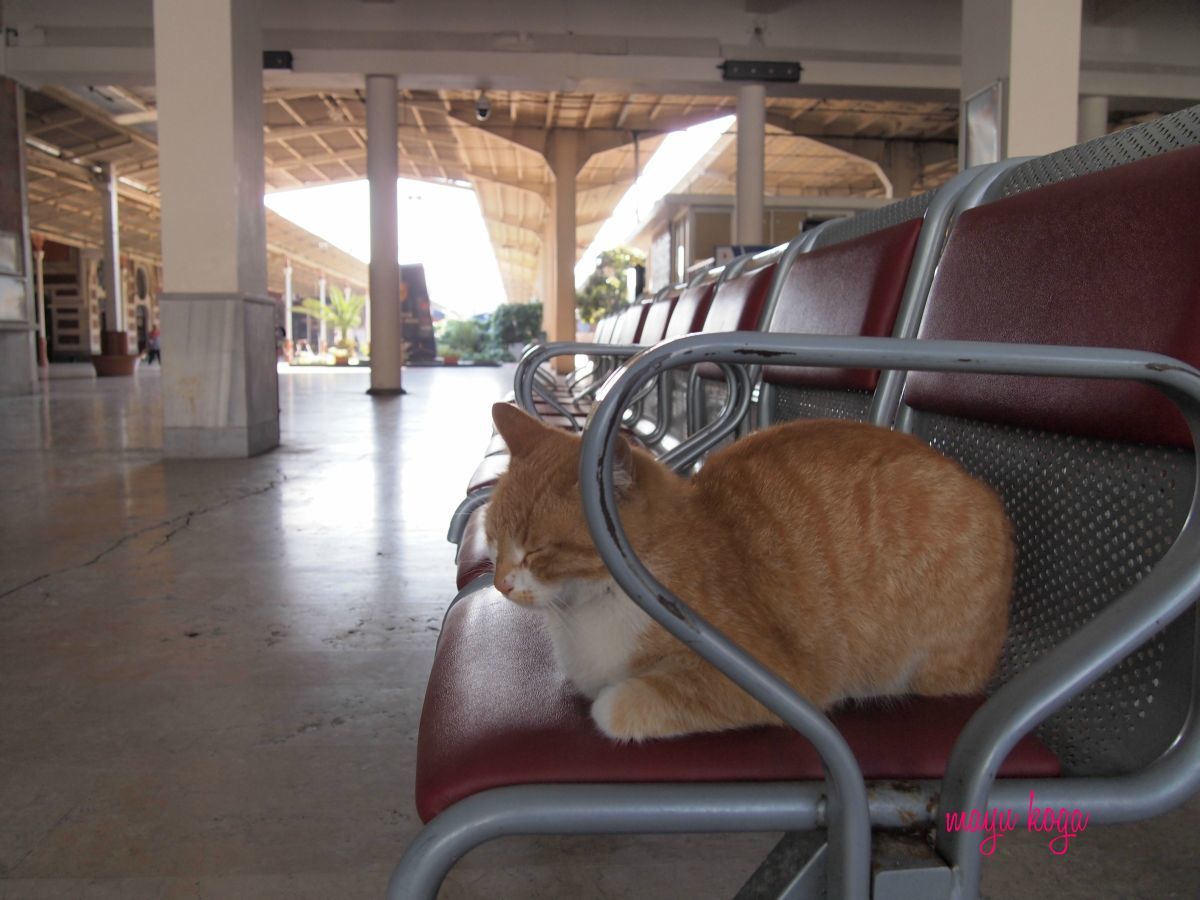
211 672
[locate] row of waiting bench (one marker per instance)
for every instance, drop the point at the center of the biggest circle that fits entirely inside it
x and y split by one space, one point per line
931 315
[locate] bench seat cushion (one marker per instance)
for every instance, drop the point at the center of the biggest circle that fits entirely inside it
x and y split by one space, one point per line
488 472
497 713
473 558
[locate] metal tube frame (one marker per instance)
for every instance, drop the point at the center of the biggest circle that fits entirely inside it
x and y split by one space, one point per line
733 412
1020 704
961 192
736 403
849 807
529 364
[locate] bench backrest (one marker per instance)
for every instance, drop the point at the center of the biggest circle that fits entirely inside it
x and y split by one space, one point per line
629 324
604 329
852 288
1096 476
691 309
658 317
737 305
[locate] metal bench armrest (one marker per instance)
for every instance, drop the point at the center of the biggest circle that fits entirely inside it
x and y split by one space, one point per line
524 386
1020 704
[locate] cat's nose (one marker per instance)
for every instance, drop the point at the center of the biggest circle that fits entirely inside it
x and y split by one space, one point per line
504 583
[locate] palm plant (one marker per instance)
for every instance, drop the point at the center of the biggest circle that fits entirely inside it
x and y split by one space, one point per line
343 312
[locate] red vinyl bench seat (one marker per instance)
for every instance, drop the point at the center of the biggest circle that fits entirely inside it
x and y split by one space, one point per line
498 713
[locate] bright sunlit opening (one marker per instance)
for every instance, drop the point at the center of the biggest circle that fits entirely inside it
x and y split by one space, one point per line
440 226
675 157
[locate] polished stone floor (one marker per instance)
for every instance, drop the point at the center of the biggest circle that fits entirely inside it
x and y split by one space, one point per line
211 672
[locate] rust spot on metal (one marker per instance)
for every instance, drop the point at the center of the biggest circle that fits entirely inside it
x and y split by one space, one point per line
908 817
770 354
1167 367
671 605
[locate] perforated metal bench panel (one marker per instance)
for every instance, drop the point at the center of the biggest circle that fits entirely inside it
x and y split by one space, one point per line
790 403
1091 518
876 220
1180 129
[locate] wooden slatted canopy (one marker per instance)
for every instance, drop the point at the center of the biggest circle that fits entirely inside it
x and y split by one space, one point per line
312 137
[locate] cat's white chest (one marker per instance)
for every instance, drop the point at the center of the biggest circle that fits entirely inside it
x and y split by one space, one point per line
594 634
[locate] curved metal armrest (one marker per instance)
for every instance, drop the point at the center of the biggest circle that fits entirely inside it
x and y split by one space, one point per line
733 411
1024 701
523 381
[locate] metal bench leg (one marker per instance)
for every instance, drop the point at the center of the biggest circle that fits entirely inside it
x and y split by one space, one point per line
793 870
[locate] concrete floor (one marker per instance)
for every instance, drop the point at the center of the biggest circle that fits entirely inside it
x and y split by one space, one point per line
211 672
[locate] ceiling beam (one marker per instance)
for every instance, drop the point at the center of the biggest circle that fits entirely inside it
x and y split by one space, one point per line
66 98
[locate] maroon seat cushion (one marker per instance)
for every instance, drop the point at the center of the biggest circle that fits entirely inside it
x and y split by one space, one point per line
473 557
691 309
657 318
629 325
488 472
852 289
496 445
737 305
1110 259
497 713
738 302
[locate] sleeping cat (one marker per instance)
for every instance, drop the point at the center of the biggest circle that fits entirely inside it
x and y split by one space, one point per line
852 560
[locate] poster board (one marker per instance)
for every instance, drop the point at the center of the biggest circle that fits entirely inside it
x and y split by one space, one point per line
983 126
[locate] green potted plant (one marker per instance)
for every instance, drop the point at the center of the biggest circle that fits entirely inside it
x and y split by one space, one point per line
344 312
460 338
514 325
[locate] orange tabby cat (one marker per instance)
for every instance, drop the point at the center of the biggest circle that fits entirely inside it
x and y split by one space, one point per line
852 560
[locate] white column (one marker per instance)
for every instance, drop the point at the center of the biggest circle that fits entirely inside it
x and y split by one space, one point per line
751 150
18 331
1093 118
384 273
114 305
39 285
1032 48
287 299
558 314
220 388
322 293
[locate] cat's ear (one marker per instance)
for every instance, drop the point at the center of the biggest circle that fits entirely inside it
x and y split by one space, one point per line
521 431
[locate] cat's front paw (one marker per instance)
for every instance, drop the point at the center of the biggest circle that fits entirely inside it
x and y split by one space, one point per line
608 714
631 711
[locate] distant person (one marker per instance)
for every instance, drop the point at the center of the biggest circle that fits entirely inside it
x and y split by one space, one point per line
153 351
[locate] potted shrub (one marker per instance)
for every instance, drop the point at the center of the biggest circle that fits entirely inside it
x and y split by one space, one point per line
460 339
514 325
344 313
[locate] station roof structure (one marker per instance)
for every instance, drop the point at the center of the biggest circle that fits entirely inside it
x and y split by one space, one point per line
878 97
319 137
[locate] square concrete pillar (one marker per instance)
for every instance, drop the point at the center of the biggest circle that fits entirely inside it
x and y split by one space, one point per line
223 398
1031 47
220 387
18 353
563 152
